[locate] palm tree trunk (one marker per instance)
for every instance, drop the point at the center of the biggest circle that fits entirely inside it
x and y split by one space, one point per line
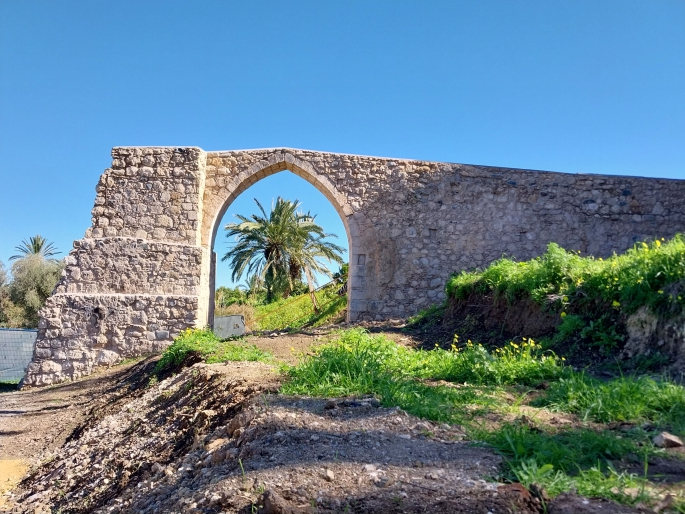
310 283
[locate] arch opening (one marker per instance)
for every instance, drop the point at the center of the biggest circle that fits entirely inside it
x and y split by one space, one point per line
224 194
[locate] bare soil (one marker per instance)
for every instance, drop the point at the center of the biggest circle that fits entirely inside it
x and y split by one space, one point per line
218 438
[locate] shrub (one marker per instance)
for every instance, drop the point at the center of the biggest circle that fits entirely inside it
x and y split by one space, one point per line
33 280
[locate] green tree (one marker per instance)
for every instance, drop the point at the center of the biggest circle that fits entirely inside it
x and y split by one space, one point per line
33 280
226 296
36 245
280 247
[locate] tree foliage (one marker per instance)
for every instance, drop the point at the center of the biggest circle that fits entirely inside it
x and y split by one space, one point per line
33 280
36 245
280 247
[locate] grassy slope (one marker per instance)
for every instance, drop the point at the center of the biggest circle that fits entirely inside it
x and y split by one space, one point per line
591 297
297 312
568 281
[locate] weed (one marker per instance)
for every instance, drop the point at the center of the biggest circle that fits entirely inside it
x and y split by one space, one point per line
566 459
626 399
626 282
591 295
559 459
203 344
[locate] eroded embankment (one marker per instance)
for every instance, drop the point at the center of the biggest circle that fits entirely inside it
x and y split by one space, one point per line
214 438
646 340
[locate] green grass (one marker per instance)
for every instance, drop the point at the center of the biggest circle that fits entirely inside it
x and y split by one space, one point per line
209 348
625 282
351 364
297 312
560 459
557 458
358 363
625 399
592 296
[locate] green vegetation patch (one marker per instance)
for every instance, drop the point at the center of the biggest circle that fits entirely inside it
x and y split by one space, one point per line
462 384
297 312
626 282
203 345
625 399
358 363
592 297
563 459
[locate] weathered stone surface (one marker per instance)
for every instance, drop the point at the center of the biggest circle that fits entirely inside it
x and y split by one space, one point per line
410 224
666 440
123 265
79 332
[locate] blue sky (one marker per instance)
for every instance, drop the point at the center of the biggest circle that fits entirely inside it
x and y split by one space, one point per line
574 86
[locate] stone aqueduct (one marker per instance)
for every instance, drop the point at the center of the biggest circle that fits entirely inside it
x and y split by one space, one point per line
144 270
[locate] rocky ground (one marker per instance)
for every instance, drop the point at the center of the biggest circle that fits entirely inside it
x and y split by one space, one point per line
218 438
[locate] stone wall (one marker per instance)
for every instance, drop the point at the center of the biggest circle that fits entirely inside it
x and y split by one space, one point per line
413 223
80 332
143 271
125 265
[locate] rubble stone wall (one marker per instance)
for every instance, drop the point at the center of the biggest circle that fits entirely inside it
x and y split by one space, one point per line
126 265
143 271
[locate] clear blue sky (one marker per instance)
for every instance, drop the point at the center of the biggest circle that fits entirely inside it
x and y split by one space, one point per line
575 86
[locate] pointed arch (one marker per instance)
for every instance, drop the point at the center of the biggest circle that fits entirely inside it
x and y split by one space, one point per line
224 183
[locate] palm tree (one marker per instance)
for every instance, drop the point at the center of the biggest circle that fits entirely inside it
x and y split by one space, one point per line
280 247
37 245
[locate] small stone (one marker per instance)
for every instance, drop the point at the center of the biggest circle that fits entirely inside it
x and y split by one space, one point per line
666 440
330 476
